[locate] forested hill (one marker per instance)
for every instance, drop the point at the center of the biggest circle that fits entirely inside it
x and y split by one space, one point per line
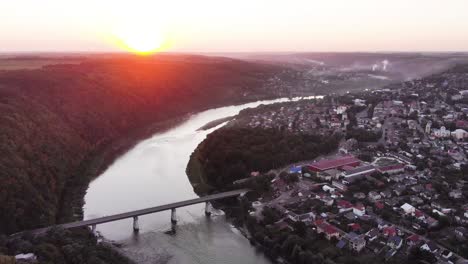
56 119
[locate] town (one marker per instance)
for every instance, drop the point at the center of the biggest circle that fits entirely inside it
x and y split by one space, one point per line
397 185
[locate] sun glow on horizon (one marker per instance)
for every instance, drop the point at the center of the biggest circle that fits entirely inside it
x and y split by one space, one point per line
141 37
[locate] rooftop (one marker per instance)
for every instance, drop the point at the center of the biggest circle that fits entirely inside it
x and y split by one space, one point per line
335 163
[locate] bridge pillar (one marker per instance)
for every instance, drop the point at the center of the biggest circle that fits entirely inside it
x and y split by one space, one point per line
207 208
93 229
136 225
173 216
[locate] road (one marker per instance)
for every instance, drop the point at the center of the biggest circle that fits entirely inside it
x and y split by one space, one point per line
140 212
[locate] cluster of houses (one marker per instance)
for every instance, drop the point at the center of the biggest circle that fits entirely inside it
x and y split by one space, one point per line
390 202
353 220
301 117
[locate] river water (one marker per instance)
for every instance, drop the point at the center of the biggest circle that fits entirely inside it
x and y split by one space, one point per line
153 173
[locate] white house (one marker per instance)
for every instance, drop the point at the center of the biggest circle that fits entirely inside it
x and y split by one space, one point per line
459 134
408 208
464 92
359 102
430 246
327 188
457 97
341 109
442 132
359 210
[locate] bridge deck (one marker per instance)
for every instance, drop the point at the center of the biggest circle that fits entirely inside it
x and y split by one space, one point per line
111 218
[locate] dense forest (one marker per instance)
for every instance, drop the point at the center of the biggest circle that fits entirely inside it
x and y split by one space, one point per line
231 153
56 122
62 246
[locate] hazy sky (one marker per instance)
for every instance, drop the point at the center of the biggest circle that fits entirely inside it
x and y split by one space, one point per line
237 25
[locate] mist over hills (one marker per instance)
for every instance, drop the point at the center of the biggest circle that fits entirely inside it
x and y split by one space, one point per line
397 65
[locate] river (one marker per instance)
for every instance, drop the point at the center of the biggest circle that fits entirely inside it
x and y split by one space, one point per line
153 173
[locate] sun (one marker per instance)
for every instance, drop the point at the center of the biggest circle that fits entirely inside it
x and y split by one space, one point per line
141 38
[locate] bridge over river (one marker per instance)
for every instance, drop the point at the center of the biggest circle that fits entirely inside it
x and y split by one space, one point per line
172 206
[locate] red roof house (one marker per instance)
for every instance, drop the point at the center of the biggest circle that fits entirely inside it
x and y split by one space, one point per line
379 205
413 239
343 204
355 227
389 231
334 163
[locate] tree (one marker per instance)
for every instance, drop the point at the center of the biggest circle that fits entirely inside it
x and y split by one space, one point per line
300 228
413 115
416 255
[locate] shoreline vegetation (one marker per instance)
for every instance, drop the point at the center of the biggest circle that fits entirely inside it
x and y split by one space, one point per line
235 152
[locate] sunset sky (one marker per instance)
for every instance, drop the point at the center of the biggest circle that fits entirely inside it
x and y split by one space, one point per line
240 25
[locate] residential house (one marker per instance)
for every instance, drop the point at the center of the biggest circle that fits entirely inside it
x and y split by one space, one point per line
340 186
307 218
461 232
446 254
329 230
431 247
372 234
357 243
359 209
456 194
389 231
408 208
355 227
413 240
344 206
395 242
374 196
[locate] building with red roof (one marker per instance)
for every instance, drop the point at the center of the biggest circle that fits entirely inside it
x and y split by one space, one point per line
379 205
329 230
389 231
336 163
343 204
418 214
355 227
413 240
359 209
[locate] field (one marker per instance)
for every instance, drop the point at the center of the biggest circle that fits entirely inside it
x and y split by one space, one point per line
33 63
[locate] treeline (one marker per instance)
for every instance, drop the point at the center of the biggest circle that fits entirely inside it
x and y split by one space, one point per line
231 153
363 135
63 246
58 120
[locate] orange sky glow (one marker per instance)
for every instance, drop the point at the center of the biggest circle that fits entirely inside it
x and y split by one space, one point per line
233 26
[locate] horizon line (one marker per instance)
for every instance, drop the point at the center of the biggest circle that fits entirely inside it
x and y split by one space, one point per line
77 52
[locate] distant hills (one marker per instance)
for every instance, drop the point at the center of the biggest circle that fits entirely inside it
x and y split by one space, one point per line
399 65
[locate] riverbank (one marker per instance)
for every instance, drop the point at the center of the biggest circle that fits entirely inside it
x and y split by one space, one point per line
215 123
71 208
